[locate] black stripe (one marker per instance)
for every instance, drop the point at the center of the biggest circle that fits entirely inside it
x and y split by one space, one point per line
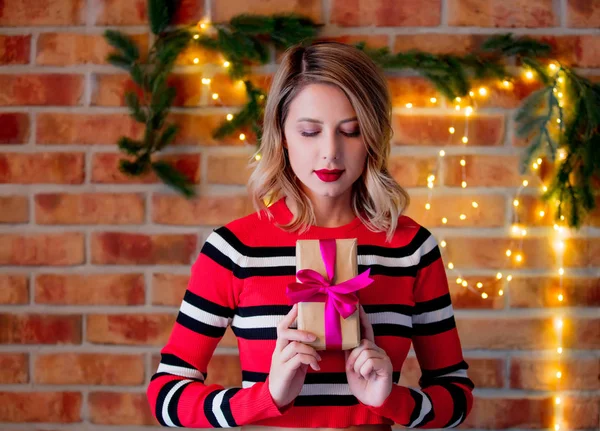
459 404
311 378
429 416
389 329
160 401
170 359
172 408
200 327
433 304
219 257
263 310
418 398
226 406
404 309
157 375
434 328
427 259
325 400
249 251
206 305
451 379
462 365
208 409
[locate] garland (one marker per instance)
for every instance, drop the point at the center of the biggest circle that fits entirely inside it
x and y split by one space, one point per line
567 136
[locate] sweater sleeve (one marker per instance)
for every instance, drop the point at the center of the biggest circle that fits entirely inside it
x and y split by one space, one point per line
445 397
177 393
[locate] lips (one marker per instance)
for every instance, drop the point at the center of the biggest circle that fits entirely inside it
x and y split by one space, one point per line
329 175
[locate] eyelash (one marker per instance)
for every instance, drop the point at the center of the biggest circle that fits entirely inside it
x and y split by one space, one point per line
350 135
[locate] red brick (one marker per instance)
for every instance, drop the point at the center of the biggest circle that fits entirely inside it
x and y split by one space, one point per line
14 289
574 50
209 210
415 90
527 334
14 209
133 248
484 171
131 329
540 292
33 168
470 297
583 13
89 208
381 13
168 289
537 253
40 329
436 43
87 129
15 128
228 169
45 12
42 249
582 412
501 413
453 206
224 370
433 130
14 368
540 374
529 211
198 130
134 12
57 89
64 49
502 13
105 168
110 90
224 10
61 407
118 408
15 49
100 289
371 40
411 171
88 369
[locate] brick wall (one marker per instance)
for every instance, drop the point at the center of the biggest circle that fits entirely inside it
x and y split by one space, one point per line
93 265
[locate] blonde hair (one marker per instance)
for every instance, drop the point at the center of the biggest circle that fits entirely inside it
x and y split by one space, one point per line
377 199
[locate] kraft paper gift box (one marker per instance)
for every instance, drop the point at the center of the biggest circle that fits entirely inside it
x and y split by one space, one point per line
342 255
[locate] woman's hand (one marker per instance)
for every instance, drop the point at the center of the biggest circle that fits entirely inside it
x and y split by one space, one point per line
290 360
368 367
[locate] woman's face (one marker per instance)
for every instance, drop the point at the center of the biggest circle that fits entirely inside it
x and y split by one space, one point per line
321 133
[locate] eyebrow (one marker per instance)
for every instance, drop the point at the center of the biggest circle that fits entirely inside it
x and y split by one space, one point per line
312 120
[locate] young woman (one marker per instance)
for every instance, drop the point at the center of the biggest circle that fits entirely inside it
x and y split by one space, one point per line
323 173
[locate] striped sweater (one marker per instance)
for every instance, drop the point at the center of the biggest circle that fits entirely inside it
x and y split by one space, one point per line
239 279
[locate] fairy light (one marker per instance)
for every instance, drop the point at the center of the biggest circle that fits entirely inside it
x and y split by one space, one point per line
409 105
452 130
242 137
215 96
229 117
465 139
257 157
463 184
474 204
206 81
196 36
483 91
196 60
433 100
226 64
442 153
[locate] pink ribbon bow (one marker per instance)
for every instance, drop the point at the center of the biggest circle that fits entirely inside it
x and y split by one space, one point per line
340 299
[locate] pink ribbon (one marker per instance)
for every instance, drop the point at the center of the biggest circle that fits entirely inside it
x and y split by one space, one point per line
339 299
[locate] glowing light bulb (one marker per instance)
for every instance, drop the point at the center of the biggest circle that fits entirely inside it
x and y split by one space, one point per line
444 220
545 188
457 107
431 178
464 283
452 130
508 253
242 136
464 184
539 161
229 117
542 213
506 83
226 64
471 93
215 96
459 280
458 100
516 202
484 295
500 292
463 216
409 105
561 297
552 66
465 139
196 60
529 74
483 91
196 36
442 153
558 120
525 183
468 111
479 285
519 258
559 95
443 244
206 81
523 232
558 323
499 276
559 350
561 271
451 265
427 206
433 100
257 157
463 162
557 400
508 278
475 204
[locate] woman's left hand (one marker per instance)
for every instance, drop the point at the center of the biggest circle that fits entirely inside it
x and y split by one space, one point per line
368 367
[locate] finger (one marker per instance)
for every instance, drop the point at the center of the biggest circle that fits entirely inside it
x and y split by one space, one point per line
296 347
364 344
367 328
285 323
364 357
300 359
367 368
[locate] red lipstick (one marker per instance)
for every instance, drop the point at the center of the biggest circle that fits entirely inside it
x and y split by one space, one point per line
329 175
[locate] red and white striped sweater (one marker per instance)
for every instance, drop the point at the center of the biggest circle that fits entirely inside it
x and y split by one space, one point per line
239 279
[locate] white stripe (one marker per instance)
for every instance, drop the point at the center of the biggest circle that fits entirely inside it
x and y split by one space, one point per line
276 261
180 371
165 407
425 408
433 316
390 318
457 422
251 322
216 408
203 316
326 389
459 373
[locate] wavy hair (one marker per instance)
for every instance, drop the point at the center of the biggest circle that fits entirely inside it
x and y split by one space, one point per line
377 199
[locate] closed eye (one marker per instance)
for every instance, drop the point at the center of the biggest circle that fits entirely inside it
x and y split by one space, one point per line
350 135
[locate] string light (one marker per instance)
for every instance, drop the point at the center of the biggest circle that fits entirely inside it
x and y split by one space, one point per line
229 117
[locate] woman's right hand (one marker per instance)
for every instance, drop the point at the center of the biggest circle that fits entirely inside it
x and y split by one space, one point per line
290 360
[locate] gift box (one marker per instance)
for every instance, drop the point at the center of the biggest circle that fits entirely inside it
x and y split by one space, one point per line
325 290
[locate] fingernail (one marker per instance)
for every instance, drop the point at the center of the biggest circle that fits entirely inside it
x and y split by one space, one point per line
312 337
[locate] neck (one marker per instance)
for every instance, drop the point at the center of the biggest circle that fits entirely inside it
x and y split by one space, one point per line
328 213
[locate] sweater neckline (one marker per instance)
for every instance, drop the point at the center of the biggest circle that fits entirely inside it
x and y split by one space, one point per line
283 215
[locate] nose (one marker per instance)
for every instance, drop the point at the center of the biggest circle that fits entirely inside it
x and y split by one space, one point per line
331 146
